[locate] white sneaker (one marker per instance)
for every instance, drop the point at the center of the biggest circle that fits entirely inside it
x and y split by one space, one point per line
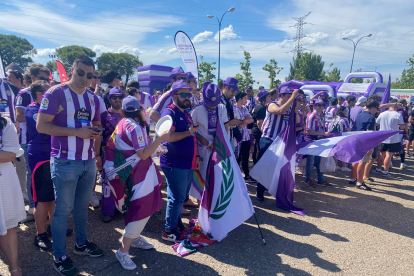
94 200
402 166
345 169
125 260
98 177
25 197
31 211
142 244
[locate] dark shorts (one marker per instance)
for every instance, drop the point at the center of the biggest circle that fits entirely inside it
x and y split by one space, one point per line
375 153
43 184
391 147
411 134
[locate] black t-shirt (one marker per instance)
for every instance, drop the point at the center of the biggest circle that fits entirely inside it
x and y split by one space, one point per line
412 115
258 113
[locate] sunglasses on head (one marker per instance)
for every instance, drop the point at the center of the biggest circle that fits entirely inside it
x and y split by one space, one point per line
81 73
182 78
44 79
116 97
185 95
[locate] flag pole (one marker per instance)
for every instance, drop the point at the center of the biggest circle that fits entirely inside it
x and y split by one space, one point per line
260 230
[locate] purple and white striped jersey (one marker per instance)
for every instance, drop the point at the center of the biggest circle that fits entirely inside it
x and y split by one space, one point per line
7 100
341 122
71 110
329 115
251 103
165 100
316 123
273 124
23 99
147 102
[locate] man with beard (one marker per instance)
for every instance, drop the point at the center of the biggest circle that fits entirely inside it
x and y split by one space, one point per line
113 79
109 120
180 160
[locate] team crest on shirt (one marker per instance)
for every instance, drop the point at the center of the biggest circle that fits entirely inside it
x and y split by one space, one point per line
213 120
91 101
140 138
19 100
45 104
35 117
70 100
8 92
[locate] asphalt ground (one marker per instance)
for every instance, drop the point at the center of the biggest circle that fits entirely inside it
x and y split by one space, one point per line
346 231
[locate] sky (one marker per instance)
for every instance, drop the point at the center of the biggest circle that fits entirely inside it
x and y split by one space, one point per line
263 28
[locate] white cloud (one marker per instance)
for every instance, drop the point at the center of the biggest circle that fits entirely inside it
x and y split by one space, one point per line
100 49
168 36
129 50
227 33
314 38
172 50
160 51
45 52
202 36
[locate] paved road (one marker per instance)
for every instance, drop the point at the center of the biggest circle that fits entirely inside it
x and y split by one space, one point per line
346 231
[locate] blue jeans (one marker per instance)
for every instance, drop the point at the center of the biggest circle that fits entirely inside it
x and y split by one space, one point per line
73 182
178 187
309 166
29 177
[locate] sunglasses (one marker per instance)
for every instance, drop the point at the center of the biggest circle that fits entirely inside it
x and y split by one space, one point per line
44 79
320 105
185 95
134 91
182 78
116 97
81 73
95 77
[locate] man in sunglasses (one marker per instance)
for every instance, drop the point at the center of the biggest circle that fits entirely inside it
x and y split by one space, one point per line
70 114
23 99
177 163
15 78
109 120
113 79
144 98
166 99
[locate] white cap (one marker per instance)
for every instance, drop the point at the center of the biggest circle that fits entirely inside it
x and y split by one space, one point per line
361 100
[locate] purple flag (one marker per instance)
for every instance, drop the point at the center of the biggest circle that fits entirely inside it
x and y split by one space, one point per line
387 93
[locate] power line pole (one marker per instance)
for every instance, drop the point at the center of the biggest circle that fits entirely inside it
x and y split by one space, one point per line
299 34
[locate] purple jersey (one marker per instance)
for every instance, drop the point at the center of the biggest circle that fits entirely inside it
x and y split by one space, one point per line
71 110
23 99
38 148
251 103
7 100
273 124
341 124
163 102
316 123
109 120
329 115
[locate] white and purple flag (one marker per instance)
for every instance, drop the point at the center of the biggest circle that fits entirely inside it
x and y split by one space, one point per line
276 168
225 204
387 93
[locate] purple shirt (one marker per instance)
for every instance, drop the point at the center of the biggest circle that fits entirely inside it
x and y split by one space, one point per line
181 153
273 124
23 99
7 99
38 148
165 100
251 103
355 111
71 110
329 115
316 123
109 120
404 114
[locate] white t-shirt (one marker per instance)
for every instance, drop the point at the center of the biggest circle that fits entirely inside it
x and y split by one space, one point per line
390 120
200 117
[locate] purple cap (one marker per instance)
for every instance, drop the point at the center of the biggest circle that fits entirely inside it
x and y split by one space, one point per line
190 76
176 71
131 103
180 84
319 101
232 83
262 94
211 94
114 91
285 90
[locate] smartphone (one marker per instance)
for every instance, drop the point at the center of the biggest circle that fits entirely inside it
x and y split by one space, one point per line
98 129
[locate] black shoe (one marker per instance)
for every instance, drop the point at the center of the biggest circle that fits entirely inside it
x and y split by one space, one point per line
89 249
363 186
260 197
181 227
49 231
106 219
249 179
42 241
352 182
64 266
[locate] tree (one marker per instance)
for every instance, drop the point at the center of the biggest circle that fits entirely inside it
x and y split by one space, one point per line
273 70
16 49
68 54
125 64
358 80
52 66
332 74
407 76
306 66
205 70
246 78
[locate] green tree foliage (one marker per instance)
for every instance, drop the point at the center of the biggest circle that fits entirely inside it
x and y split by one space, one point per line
407 77
273 71
332 74
68 54
205 70
306 66
357 80
245 78
125 64
52 66
16 49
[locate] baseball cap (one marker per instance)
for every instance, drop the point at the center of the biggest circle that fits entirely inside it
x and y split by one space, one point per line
403 101
131 103
180 84
361 100
190 76
232 83
285 90
211 94
114 91
248 88
262 94
176 71
319 101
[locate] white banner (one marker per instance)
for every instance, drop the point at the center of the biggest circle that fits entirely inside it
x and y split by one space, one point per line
1 69
186 49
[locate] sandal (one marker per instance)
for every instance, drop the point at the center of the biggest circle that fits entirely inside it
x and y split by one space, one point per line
18 271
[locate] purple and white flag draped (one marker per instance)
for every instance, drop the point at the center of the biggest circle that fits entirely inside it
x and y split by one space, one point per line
387 93
276 169
348 147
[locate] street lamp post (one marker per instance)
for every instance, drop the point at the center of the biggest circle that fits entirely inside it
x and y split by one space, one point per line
355 44
219 21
